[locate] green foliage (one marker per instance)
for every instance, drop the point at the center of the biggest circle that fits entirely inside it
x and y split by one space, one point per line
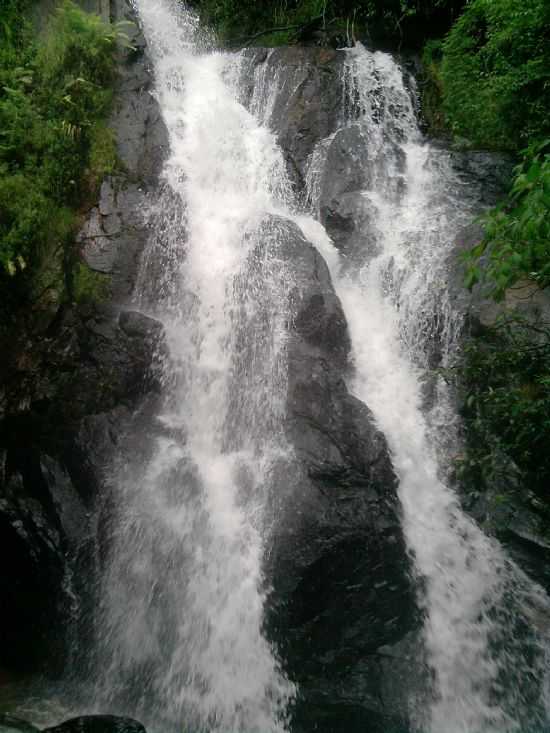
89 286
432 86
506 379
55 93
496 73
102 159
389 20
516 244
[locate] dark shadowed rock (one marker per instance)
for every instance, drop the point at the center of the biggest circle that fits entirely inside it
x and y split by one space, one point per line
66 410
54 447
308 104
115 232
11 724
347 165
337 562
98 724
69 390
488 173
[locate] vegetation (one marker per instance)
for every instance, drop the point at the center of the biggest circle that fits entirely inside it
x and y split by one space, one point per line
55 93
392 21
507 404
490 77
516 245
495 73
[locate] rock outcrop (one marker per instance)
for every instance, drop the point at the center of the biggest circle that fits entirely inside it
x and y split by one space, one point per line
97 724
504 507
116 231
83 724
68 391
308 104
337 559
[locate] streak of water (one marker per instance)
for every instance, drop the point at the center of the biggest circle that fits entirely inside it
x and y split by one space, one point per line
182 605
183 599
481 644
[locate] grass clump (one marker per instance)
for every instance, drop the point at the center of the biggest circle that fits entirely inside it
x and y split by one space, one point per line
90 286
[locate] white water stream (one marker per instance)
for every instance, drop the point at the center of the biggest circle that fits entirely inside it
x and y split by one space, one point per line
184 595
183 599
475 601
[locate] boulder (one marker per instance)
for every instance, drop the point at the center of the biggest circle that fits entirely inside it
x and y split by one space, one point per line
11 724
337 563
307 106
115 232
67 411
97 724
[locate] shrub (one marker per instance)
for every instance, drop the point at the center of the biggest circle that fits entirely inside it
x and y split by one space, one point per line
89 286
506 379
516 244
432 86
495 73
393 21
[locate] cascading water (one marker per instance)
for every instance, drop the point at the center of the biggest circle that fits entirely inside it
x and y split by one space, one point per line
484 656
182 611
181 617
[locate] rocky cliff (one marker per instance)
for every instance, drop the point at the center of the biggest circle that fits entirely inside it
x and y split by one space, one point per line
69 387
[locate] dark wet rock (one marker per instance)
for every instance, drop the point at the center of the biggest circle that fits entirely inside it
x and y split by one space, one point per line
350 221
98 724
500 502
65 418
337 560
347 165
307 108
32 552
70 386
11 724
490 173
115 232
509 510
477 308
344 210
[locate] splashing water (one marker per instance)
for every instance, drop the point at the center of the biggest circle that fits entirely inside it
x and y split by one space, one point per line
487 659
182 611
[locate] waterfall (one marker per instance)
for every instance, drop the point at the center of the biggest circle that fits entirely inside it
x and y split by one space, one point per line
183 593
181 617
480 643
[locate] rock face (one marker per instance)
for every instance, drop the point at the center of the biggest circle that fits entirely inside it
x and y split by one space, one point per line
505 507
68 393
308 104
83 724
344 212
115 231
11 724
98 724
337 561
62 415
